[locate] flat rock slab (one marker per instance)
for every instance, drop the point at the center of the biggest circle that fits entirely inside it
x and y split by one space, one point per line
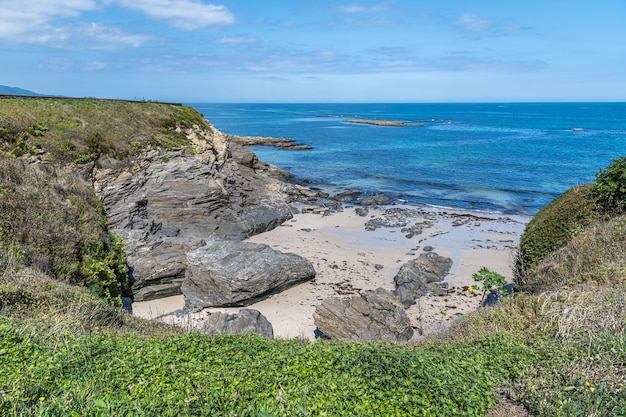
372 315
233 273
244 322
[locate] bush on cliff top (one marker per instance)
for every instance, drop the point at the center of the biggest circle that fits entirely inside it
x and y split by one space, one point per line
595 255
610 186
553 226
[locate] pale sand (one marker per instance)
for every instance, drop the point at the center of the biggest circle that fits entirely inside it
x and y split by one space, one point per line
346 256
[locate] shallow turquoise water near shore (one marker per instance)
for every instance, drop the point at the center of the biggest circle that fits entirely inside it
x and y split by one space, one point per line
506 157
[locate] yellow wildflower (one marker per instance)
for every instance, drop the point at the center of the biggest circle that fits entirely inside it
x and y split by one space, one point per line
42 399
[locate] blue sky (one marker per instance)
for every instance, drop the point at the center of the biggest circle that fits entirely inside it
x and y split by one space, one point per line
317 51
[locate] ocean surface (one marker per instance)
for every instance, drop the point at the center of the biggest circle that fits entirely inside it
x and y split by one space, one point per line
504 157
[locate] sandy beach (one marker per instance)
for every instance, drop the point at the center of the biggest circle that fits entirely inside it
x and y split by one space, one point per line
349 259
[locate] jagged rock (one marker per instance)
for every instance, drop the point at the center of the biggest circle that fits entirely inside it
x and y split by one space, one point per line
422 276
347 196
154 292
246 321
286 143
386 220
373 315
230 273
156 263
378 199
362 211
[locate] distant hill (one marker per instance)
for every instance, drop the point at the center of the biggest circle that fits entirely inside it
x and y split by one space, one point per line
4 89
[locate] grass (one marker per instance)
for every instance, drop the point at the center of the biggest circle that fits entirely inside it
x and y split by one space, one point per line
80 131
553 226
62 371
67 350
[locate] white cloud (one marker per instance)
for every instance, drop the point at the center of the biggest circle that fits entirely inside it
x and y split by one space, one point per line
356 8
109 35
46 21
36 21
474 23
93 66
235 40
183 14
29 20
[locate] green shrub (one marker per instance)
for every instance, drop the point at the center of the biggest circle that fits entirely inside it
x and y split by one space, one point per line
553 227
595 255
104 270
610 186
490 279
53 221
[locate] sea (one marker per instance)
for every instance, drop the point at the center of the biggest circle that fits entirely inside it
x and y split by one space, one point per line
500 157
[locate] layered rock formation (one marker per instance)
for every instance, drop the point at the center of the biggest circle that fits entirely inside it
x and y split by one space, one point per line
245 321
228 273
422 276
167 204
372 315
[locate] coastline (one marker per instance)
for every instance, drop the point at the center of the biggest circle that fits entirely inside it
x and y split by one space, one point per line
349 259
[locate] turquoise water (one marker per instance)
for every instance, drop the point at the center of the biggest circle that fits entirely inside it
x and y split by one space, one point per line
511 158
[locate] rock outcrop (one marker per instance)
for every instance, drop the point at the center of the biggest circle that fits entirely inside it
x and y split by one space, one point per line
168 203
228 273
246 321
372 315
422 276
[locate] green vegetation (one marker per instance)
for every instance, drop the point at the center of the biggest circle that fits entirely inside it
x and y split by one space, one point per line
610 186
553 226
559 349
79 131
52 221
490 279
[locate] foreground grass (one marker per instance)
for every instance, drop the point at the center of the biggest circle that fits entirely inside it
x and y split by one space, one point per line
65 352
192 374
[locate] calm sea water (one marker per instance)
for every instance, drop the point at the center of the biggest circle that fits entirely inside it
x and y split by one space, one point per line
512 158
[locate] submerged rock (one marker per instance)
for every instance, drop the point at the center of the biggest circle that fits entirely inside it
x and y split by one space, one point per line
372 315
229 273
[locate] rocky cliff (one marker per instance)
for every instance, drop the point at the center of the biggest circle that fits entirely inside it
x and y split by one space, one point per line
166 204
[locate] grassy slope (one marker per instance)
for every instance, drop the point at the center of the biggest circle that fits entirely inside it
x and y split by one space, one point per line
83 130
67 352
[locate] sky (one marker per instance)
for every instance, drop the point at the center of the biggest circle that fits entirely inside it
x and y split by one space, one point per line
317 51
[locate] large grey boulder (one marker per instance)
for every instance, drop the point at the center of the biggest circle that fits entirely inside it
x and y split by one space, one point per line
246 321
372 315
422 276
230 273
